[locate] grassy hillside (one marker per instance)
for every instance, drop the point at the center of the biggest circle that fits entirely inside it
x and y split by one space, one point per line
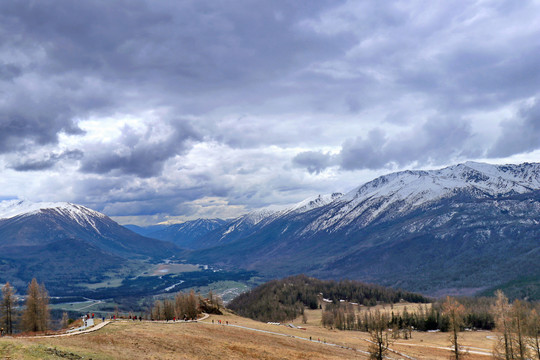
241 339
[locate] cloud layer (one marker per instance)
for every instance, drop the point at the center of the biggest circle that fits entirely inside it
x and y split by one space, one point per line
172 110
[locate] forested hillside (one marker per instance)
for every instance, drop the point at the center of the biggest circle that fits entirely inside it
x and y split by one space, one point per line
285 299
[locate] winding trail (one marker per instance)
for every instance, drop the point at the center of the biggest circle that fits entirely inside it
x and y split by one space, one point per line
89 330
103 324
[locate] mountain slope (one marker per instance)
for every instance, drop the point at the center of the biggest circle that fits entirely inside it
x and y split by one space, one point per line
466 227
37 224
65 244
190 234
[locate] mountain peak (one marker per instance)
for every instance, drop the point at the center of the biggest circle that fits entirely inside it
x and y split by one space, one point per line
12 208
81 214
487 178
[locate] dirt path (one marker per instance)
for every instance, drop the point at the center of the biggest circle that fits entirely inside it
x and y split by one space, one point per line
93 328
90 305
101 325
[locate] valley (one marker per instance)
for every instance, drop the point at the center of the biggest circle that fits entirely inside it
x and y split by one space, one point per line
468 229
465 229
269 180
136 291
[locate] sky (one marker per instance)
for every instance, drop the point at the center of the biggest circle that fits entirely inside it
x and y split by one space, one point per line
165 111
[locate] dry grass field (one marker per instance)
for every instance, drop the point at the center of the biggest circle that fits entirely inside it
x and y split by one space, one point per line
241 339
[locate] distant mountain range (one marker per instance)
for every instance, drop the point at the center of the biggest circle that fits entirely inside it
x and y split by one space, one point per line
66 244
466 229
462 229
187 235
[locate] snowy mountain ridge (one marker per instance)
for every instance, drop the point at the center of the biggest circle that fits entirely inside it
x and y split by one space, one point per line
407 190
264 216
401 192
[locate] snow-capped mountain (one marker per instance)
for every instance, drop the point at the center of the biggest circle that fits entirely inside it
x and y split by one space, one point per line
78 213
66 244
398 193
28 223
468 214
257 219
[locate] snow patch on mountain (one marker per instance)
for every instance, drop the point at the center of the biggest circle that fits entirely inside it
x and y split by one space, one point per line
314 202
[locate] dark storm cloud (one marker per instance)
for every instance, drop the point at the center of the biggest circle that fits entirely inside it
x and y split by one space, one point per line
521 134
126 196
435 142
9 71
256 79
137 154
25 126
313 161
103 57
48 162
191 45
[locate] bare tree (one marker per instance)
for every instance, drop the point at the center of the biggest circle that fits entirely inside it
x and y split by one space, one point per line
378 331
7 307
168 309
533 331
519 327
214 300
328 319
504 348
455 312
192 305
65 320
157 311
